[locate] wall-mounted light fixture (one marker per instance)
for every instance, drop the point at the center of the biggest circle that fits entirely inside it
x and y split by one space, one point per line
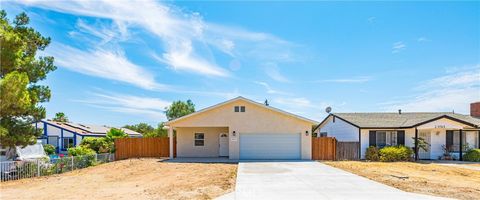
234 134
306 133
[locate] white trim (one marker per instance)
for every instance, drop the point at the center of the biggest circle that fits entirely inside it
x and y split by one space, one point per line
245 99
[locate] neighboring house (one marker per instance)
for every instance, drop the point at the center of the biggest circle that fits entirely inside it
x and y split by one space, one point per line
450 130
64 135
242 129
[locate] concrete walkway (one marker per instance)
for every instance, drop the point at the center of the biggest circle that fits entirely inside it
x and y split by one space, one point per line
308 180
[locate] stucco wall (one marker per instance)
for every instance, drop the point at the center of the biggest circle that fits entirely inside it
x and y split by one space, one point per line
186 138
340 129
255 119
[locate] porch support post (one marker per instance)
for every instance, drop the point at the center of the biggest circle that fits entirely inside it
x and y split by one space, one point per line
478 139
416 144
359 143
461 144
170 138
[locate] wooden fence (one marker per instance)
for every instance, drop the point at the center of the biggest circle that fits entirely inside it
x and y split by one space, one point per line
143 147
347 150
328 148
324 148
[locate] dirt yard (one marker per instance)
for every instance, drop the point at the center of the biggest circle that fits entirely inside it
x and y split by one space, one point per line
129 179
432 179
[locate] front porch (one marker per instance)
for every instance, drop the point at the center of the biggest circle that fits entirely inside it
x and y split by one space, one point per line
200 142
446 139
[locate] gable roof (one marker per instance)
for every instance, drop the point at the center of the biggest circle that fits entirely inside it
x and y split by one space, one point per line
247 100
82 129
403 120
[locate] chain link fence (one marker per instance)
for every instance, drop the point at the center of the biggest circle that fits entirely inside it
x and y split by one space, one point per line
15 170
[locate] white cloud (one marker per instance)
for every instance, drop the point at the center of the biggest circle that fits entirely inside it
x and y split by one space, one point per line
423 39
398 46
269 89
362 79
272 71
453 91
187 39
103 63
294 102
154 108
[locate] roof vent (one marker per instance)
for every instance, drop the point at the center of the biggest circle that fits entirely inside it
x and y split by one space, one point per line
399 111
266 102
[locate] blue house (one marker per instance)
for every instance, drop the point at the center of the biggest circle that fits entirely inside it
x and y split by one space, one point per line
63 135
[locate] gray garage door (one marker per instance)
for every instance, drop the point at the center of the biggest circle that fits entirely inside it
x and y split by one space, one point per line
270 146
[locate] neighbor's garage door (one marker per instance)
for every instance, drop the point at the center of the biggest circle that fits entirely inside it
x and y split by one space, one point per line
270 146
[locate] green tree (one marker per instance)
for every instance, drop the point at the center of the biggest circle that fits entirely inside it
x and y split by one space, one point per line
98 144
142 128
20 70
422 144
179 109
60 117
115 133
158 132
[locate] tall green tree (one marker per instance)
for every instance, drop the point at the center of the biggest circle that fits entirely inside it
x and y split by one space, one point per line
20 70
158 132
60 117
179 109
141 128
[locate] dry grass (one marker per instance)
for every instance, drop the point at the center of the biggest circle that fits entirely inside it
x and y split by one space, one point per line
429 179
129 179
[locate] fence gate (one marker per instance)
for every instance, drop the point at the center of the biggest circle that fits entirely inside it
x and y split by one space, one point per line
324 148
347 150
143 147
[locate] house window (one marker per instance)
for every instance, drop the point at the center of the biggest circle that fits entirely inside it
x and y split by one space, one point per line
381 139
237 109
242 108
453 140
199 139
67 143
323 134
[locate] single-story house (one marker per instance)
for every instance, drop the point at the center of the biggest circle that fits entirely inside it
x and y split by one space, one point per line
64 135
439 129
242 129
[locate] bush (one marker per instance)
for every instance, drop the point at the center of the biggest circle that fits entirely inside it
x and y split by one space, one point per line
395 153
49 149
98 144
472 155
372 154
80 151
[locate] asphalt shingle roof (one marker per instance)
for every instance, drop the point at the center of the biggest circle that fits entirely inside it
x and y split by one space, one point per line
409 119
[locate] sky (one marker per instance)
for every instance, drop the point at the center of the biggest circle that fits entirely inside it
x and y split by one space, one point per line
123 62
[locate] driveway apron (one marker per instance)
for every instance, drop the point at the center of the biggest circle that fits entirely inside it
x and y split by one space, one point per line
309 180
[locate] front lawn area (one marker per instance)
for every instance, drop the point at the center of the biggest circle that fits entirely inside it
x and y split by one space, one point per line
129 179
431 179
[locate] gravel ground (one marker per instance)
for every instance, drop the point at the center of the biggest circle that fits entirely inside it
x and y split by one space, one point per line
129 179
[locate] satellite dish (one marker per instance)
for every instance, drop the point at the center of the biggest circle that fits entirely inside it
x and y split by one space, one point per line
328 109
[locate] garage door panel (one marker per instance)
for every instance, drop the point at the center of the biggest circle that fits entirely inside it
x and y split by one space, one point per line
270 146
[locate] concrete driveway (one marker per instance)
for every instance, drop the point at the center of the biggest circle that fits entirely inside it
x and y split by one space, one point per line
309 180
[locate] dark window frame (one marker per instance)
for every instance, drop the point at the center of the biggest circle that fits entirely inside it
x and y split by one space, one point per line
68 139
242 108
236 109
199 139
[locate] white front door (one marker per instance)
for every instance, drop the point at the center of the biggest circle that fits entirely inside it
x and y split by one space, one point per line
223 145
426 135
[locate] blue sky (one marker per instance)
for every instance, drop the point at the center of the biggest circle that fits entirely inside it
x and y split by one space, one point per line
123 62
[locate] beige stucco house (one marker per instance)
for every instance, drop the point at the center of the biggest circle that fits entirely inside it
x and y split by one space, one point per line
242 129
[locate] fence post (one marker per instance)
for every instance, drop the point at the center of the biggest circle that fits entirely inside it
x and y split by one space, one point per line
38 168
96 158
72 163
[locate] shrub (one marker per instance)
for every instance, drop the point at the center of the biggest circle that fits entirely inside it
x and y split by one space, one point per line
395 153
372 154
472 155
98 144
49 149
80 151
